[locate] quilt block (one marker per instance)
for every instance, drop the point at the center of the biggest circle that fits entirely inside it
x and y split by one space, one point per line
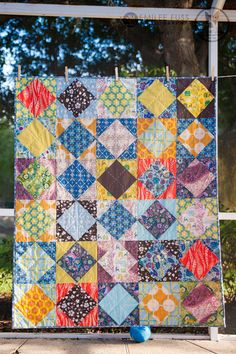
116 210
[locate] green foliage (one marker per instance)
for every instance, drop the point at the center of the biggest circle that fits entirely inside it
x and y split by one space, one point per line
6 163
6 265
228 241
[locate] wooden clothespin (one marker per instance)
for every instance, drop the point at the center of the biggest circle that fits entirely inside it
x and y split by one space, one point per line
19 72
213 73
116 73
167 73
66 74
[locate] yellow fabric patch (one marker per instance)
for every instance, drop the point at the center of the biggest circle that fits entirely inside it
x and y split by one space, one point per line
35 305
156 98
196 97
36 138
195 137
160 303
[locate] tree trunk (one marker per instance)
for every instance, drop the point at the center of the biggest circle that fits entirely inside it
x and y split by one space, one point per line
177 38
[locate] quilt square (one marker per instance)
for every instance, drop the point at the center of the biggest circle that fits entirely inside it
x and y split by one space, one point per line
201 304
76 262
156 178
116 208
195 98
76 138
116 138
34 306
200 260
118 304
35 220
35 138
196 178
116 179
76 220
35 179
76 179
156 219
196 138
156 97
118 261
77 305
160 261
116 98
35 97
156 138
35 262
197 218
76 98
159 304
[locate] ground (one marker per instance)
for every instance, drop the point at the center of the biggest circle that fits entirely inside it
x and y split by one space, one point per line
83 346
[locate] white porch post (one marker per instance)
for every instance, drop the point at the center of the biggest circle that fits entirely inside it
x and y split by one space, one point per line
213 71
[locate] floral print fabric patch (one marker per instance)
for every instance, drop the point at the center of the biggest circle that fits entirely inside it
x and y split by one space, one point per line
116 203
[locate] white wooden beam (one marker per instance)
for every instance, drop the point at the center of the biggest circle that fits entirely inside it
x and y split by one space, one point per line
6 212
213 333
227 216
217 7
25 335
165 14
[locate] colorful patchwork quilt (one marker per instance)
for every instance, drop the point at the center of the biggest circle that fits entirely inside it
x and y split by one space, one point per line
116 203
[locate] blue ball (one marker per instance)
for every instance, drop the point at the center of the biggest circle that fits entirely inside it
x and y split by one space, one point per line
140 333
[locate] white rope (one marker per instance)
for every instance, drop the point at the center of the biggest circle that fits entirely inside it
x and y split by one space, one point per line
225 76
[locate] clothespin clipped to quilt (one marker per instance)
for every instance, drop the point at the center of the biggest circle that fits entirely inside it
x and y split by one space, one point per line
212 73
66 74
19 72
167 73
116 73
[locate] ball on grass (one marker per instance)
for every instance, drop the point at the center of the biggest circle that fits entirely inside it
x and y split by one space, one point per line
140 333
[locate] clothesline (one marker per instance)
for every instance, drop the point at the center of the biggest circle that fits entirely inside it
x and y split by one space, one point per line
225 76
219 77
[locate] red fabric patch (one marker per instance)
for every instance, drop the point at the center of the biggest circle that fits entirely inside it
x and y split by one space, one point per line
199 259
36 97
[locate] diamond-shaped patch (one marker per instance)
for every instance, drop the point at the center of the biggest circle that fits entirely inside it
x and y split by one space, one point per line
201 303
35 262
157 219
196 97
196 177
36 97
157 178
35 304
199 259
76 179
117 220
156 98
157 138
76 262
195 137
116 98
116 138
36 179
116 179
197 218
118 304
36 138
76 98
35 220
76 138
160 303
76 220
77 304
